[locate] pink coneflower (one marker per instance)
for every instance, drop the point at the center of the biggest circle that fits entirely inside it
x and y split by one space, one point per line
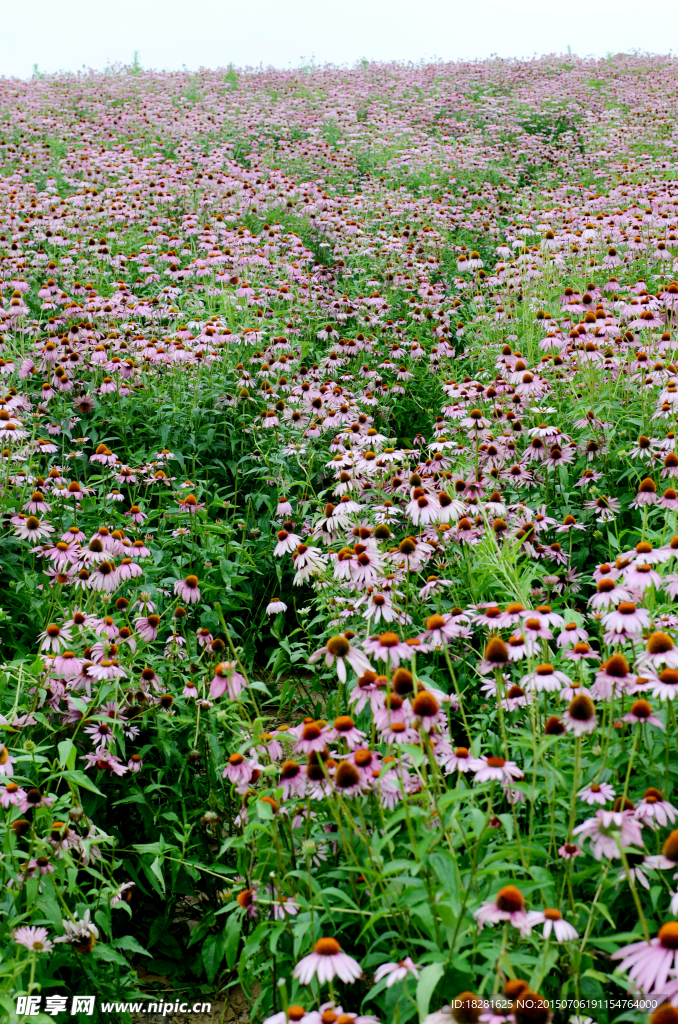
398 732
284 906
647 494
107 669
34 939
641 712
388 647
100 732
54 637
129 570
545 678
553 922
660 650
460 760
515 699
147 626
604 507
608 592
135 763
654 810
519 648
37 504
62 554
588 477
568 524
368 763
641 576
275 606
106 626
94 552
227 679
508 905
513 613
489 615
627 618
581 652
496 769
104 760
605 828
568 851
597 793
649 964
326 962
669 500
423 509
136 515
339 648
580 717
33 799
139 550
190 504
546 616
238 770
105 578
314 737
345 728
535 629
292 780
426 710
119 894
433 585
379 607
440 629
11 795
665 685
287 542
394 972
66 665
308 560
187 590
203 637
33 529
348 780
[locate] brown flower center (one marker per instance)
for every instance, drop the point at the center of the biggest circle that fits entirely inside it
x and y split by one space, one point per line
327 947
510 899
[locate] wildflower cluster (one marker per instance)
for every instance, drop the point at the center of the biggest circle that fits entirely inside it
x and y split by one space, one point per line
340 537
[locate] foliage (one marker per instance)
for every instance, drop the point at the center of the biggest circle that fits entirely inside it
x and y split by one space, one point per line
339 536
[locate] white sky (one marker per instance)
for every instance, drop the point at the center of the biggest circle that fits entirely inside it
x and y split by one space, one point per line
71 34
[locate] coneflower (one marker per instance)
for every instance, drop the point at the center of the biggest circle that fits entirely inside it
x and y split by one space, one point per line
326 962
580 717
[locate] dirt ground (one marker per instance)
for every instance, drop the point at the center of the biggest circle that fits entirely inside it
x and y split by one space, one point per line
235 1011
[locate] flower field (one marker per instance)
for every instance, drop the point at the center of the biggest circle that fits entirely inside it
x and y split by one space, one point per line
340 541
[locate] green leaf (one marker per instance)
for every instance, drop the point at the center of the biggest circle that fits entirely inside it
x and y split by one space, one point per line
264 811
101 952
428 979
155 848
212 955
156 868
598 975
416 754
446 870
80 779
232 939
479 819
67 752
507 822
129 943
